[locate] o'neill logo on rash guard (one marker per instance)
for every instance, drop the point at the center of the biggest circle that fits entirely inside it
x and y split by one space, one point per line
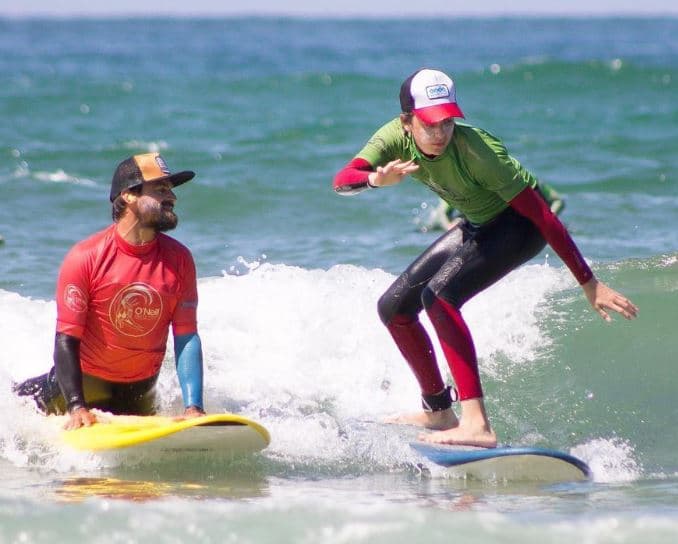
74 298
135 310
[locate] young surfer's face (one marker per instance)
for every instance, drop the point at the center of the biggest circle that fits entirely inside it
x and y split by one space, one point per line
431 139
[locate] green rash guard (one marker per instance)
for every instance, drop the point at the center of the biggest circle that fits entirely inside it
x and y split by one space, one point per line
475 174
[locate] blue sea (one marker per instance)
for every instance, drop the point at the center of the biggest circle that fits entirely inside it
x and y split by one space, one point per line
266 111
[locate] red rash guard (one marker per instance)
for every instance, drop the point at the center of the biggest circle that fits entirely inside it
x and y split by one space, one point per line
119 300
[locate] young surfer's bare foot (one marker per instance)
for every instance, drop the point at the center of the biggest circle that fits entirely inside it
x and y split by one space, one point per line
464 436
473 429
441 420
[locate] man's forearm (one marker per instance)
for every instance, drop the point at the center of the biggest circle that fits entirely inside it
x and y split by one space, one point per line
68 371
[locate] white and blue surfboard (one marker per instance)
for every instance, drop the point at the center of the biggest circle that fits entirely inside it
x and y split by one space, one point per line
506 463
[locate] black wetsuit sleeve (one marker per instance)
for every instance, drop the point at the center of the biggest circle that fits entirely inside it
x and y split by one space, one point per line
68 371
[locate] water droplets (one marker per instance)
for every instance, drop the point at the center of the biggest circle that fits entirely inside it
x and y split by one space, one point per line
242 266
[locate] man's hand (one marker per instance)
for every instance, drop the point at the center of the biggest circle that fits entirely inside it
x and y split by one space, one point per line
391 173
80 417
193 411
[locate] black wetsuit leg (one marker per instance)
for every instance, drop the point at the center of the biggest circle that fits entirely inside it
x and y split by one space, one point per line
461 263
489 253
403 297
44 390
138 398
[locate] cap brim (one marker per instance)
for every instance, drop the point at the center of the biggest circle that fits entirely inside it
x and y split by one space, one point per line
439 112
176 179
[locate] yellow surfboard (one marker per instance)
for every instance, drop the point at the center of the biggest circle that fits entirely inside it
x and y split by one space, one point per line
227 433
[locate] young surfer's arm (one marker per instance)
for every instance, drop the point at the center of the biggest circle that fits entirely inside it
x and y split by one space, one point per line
353 178
529 204
359 175
188 358
69 377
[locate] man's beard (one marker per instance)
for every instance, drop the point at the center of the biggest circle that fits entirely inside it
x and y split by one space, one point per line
160 218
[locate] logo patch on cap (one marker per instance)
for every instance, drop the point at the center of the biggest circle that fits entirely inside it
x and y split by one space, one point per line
434 92
162 165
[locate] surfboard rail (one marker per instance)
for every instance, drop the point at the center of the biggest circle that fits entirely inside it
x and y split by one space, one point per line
507 462
113 432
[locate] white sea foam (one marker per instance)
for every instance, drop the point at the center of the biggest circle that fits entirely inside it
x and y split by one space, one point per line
60 176
303 351
151 147
611 460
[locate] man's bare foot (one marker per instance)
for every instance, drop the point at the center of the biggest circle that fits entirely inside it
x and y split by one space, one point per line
463 436
440 421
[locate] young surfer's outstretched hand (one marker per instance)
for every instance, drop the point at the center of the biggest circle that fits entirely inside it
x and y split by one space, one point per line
604 298
392 173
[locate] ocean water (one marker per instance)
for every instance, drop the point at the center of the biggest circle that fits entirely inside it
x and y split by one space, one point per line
266 111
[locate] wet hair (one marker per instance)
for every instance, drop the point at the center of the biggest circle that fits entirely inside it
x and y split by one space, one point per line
119 205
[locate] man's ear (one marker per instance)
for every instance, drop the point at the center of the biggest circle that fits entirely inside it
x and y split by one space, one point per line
129 196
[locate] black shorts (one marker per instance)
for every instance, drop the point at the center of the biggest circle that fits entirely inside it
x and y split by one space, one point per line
461 263
137 398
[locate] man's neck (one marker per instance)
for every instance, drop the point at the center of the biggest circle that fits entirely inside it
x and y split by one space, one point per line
132 232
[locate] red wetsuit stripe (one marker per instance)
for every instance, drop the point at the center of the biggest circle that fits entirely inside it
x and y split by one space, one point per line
457 344
415 345
531 205
352 178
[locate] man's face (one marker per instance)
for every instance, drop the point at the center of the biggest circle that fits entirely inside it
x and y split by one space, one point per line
155 206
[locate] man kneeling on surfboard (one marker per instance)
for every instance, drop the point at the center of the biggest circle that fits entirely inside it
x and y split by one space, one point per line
118 292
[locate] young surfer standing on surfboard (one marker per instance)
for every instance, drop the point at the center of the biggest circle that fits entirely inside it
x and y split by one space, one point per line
506 223
118 292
